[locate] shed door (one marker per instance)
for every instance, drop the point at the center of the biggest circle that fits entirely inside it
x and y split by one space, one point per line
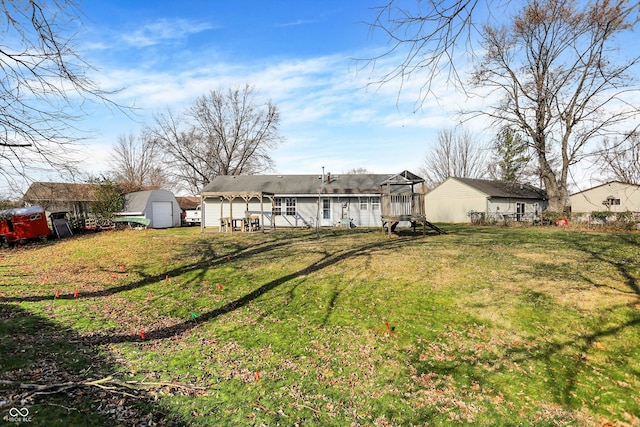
162 215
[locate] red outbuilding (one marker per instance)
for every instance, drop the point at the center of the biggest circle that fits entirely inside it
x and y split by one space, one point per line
23 224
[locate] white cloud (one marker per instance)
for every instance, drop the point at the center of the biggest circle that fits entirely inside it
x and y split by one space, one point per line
329 117
296 23
164 30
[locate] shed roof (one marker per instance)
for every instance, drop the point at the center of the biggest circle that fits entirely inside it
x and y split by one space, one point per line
137 202
513 190
297 184
39 192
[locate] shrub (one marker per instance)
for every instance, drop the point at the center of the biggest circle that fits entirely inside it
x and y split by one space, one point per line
477 218
549 217
600 216
624 217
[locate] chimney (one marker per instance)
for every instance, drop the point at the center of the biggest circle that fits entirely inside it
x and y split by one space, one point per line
328 177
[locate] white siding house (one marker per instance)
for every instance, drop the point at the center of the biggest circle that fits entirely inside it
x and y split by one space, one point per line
613 197
159 206
454 200
294 200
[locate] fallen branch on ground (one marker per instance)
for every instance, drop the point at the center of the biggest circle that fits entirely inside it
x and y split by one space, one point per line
107 383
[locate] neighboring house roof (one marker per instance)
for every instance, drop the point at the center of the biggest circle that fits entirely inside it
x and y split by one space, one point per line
40 192
505 189
188 202
297 184
607 184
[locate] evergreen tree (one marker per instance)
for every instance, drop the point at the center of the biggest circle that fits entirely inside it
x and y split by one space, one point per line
510 155
108 200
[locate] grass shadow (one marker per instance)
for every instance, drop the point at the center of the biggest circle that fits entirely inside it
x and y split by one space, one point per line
37 351
327 260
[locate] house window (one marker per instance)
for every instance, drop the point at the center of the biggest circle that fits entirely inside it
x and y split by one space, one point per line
277 206
611 201
290 206
364 203
375 203
326 209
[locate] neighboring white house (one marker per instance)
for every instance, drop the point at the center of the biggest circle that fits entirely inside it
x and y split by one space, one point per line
159 206
454 200
294 200
613 197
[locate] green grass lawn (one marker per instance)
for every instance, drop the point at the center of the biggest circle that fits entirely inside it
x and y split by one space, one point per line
486 326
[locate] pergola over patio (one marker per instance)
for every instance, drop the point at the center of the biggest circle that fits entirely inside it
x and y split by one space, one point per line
246 222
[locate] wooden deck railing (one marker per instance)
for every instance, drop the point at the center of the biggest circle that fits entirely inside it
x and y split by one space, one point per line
403 205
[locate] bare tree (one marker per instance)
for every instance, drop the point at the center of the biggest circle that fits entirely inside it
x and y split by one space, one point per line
136 164
620 160
554 69
456 155
42 87
574 64
357 171
222 133
430 38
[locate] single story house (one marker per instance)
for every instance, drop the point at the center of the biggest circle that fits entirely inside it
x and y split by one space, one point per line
457 198
613 196
159 206
294 200
62 197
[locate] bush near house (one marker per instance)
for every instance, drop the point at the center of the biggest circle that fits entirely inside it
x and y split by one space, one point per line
108 200
549 217
623 220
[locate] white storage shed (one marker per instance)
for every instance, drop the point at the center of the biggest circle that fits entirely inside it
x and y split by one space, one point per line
159 206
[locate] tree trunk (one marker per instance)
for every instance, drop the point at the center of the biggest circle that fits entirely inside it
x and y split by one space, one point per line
556 191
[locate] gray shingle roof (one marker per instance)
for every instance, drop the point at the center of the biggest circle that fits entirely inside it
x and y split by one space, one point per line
505 189
137 201
297 184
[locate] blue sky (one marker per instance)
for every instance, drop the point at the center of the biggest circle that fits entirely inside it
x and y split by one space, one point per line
298 54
